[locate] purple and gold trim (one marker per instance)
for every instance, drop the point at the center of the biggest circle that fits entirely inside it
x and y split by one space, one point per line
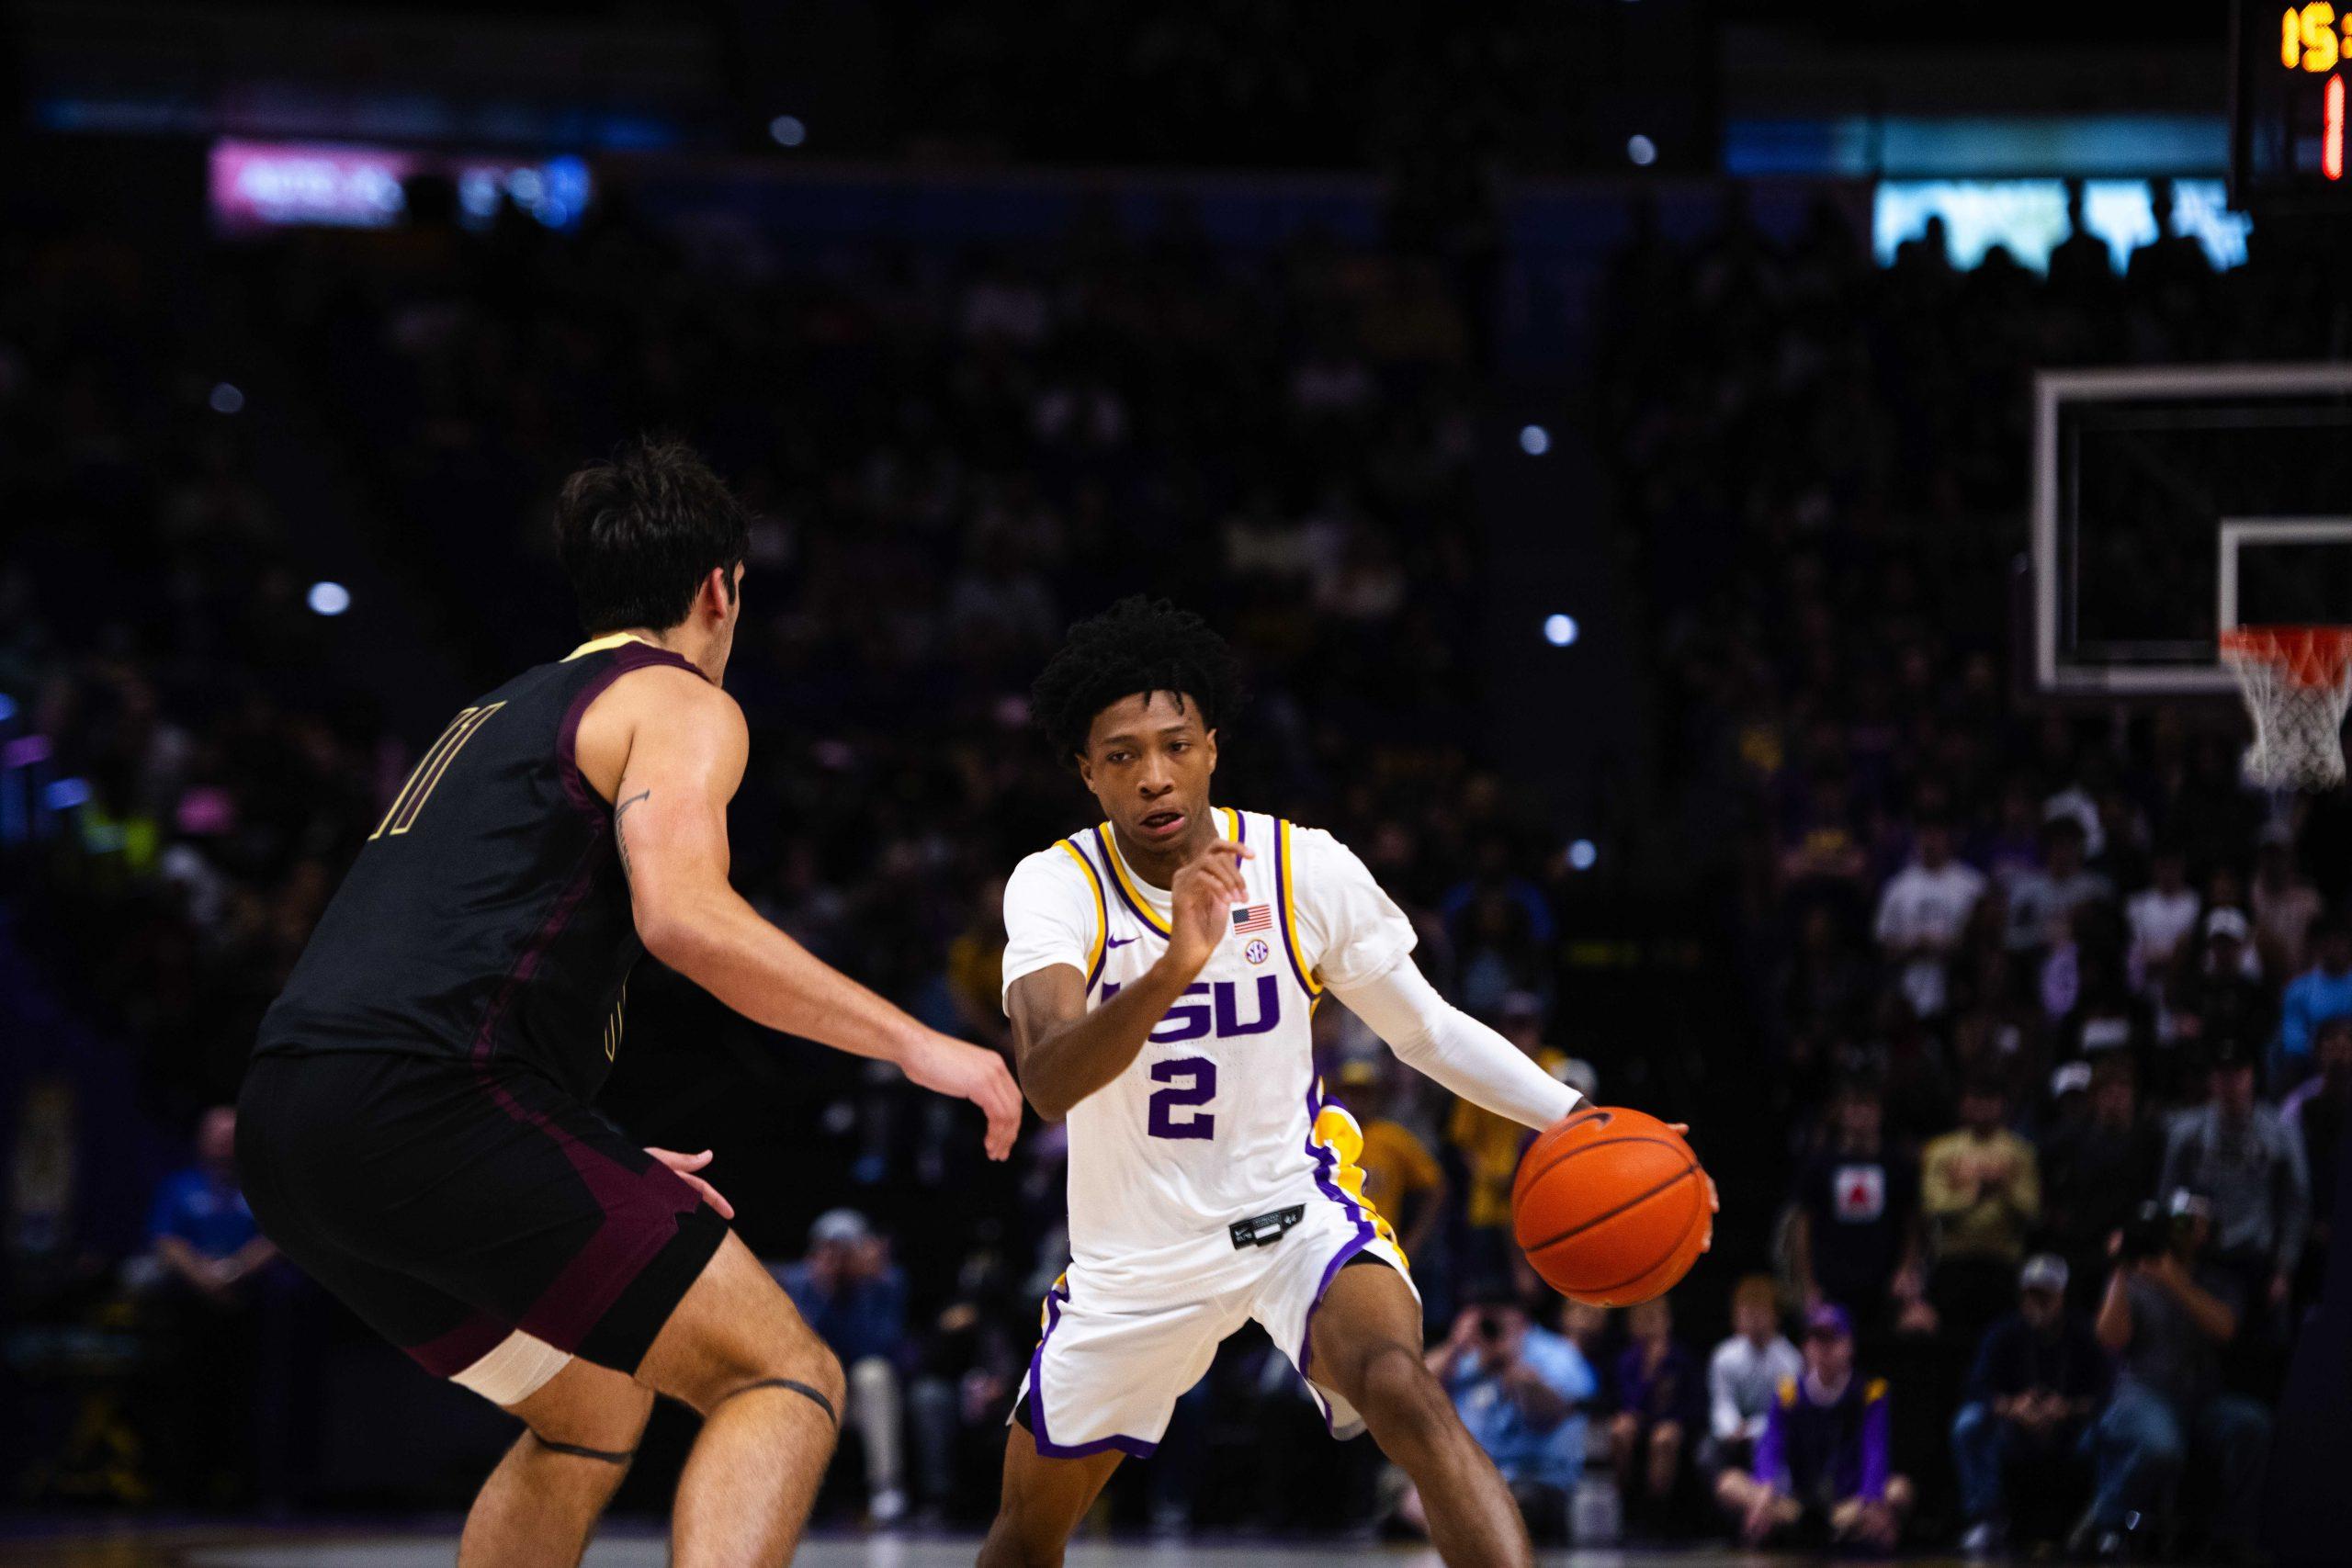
1286 912
1102 915
1136 905
1326 1161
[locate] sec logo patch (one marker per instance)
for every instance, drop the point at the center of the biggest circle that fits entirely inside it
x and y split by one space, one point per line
1257 951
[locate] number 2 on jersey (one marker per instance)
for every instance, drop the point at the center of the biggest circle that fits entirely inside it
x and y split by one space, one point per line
413 794
1199 1087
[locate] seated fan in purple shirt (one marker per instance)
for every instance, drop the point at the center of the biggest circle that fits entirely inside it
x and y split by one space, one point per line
1821 1471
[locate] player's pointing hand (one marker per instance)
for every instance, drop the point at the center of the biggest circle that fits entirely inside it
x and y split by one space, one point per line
969 1072
1205 889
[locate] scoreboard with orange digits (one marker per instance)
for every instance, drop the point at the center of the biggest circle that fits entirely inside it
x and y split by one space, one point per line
2287 110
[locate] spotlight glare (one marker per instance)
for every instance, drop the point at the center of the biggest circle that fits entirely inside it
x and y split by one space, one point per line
1582 853
1534 440
787 131
226 398
329 598
1561 630
1642 151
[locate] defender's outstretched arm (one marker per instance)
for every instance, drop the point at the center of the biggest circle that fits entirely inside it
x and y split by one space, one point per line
686 747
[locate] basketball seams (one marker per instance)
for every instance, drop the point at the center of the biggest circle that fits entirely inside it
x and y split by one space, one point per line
1692 1226
1528 1178
1614 1241
1530 1248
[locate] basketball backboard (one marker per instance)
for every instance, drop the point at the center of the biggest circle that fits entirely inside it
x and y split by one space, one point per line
2169 503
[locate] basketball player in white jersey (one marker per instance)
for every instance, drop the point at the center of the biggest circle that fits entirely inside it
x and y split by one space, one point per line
1160 974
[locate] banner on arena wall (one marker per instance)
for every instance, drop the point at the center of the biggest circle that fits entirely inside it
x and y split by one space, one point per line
260 185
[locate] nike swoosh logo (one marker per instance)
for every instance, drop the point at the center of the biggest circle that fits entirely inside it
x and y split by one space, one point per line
1120 941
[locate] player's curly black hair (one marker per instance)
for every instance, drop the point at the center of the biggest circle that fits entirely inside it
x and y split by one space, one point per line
1137 644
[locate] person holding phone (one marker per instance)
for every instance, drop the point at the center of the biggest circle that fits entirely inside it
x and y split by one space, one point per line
1523 1391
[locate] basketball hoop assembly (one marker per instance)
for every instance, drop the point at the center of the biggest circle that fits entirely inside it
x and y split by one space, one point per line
2297 681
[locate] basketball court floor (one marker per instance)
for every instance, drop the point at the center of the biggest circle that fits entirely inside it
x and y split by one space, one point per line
247 1547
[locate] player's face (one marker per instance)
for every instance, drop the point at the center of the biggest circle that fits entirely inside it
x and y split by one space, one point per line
1148 761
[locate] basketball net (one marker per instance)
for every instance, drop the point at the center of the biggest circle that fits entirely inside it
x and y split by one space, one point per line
2297 681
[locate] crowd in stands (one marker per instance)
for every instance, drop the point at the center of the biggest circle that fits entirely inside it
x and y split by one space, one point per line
2059 1011
2061 1028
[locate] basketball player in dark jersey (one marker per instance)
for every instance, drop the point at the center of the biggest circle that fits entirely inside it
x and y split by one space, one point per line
414 1129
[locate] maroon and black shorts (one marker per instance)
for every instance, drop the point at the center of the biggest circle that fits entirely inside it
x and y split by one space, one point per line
450 1204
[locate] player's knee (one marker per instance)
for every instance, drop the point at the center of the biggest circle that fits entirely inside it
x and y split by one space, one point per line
603 1423
1398 1394
790 1356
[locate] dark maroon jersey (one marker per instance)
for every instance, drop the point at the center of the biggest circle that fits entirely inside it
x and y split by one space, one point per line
487 918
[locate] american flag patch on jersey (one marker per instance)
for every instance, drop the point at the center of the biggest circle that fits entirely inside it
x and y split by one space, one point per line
1256 917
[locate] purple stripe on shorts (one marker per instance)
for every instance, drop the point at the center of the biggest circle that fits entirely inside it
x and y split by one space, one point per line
1134 1447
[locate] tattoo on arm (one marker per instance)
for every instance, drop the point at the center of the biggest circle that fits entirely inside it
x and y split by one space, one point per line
620 838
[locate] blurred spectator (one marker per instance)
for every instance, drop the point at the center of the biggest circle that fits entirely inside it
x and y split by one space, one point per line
970 1364
2041 901
1661 1400
2285 905
1522 1390
855 1299
1822 1471
2162 916
1923 914
1401 1178
1745 1374
1981 1193
209 1258
1856 1237
2165 1323
2237 1154
199 1229
2322 992
2095 1173
2224 993
2315 1114
2039 1377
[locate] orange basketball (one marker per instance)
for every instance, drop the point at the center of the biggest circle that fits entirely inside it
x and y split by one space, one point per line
1611 1207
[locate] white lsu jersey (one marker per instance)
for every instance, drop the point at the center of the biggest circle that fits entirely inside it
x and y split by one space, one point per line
1219 1118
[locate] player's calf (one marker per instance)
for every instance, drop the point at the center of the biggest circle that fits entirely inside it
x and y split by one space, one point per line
1401 1401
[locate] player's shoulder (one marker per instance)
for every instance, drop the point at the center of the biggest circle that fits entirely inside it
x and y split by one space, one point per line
1311 851
1067 865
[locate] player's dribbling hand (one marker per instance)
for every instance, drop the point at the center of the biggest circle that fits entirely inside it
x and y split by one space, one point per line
685 1166
950 1067
1205 890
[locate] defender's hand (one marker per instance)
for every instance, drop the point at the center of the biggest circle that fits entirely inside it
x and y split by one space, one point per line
685 1166
1204 892
969 1072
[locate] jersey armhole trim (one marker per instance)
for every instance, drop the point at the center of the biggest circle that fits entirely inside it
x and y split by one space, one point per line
630 654
1102 914
1289 911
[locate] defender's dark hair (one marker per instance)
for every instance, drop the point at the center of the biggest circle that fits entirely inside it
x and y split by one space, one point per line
1137 644
638 534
